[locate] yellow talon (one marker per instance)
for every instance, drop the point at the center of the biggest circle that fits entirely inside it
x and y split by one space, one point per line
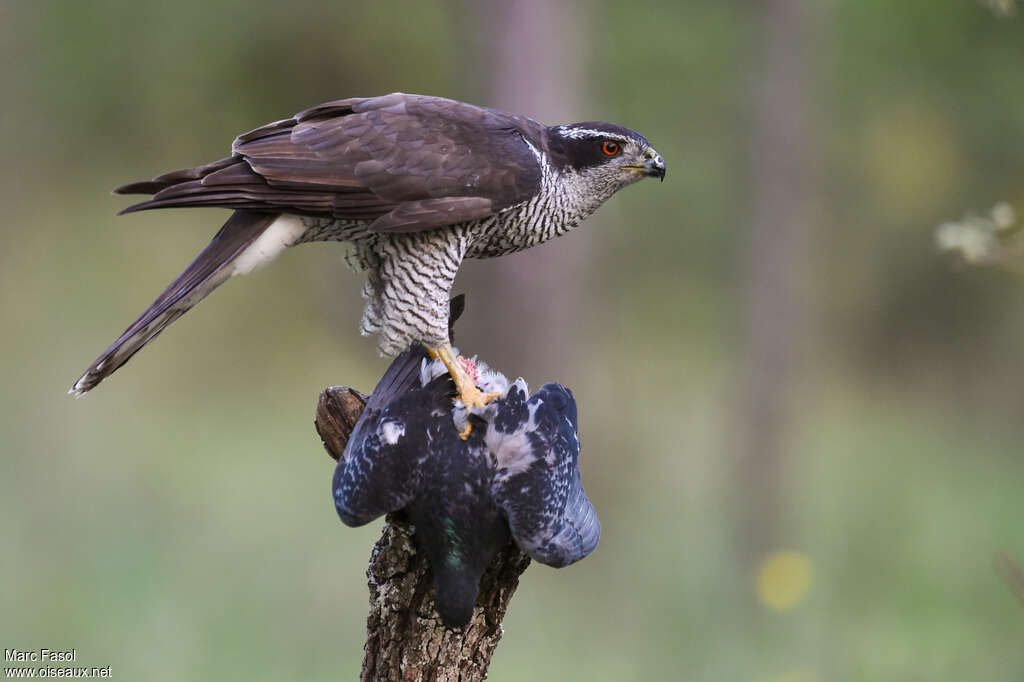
469 394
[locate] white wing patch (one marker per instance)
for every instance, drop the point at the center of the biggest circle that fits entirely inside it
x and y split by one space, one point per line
514 451
281 234
391 431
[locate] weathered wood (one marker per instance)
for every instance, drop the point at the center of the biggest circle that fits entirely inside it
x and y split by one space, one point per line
337 412
405 639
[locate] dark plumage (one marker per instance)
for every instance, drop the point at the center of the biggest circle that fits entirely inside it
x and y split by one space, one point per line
518 474
398 160
415 184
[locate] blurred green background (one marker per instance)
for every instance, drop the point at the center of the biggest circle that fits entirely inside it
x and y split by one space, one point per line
768 352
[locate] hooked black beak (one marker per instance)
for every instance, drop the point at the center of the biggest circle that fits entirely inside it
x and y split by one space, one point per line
655 167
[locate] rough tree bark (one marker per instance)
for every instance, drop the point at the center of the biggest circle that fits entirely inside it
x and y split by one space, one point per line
405 639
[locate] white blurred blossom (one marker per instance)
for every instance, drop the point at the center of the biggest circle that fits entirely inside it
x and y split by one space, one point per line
975 245
1001 8
994 239
1003 216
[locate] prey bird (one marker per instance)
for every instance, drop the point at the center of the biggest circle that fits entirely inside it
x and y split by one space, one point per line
518 476
414 184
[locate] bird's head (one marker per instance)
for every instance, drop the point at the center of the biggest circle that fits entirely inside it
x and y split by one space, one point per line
604 155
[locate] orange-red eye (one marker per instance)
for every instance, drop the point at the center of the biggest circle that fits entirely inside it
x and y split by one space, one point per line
610 148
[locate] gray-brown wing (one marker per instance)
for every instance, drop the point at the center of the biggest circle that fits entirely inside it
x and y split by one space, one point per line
408 162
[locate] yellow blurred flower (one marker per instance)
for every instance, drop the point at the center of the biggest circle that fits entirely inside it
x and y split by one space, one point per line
784 579
911 153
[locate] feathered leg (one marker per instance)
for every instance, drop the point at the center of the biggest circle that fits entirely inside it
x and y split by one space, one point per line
408 298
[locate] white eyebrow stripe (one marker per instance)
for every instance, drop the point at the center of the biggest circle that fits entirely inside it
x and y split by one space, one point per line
580 133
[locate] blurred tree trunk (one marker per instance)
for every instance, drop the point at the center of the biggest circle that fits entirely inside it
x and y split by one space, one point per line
773 259
530 63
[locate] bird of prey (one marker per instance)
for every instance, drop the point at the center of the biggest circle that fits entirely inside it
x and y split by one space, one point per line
518 475
414 183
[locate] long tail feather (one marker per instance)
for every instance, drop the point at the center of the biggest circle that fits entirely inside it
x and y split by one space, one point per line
218 261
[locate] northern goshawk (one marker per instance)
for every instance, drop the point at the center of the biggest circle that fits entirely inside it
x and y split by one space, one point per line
414 183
